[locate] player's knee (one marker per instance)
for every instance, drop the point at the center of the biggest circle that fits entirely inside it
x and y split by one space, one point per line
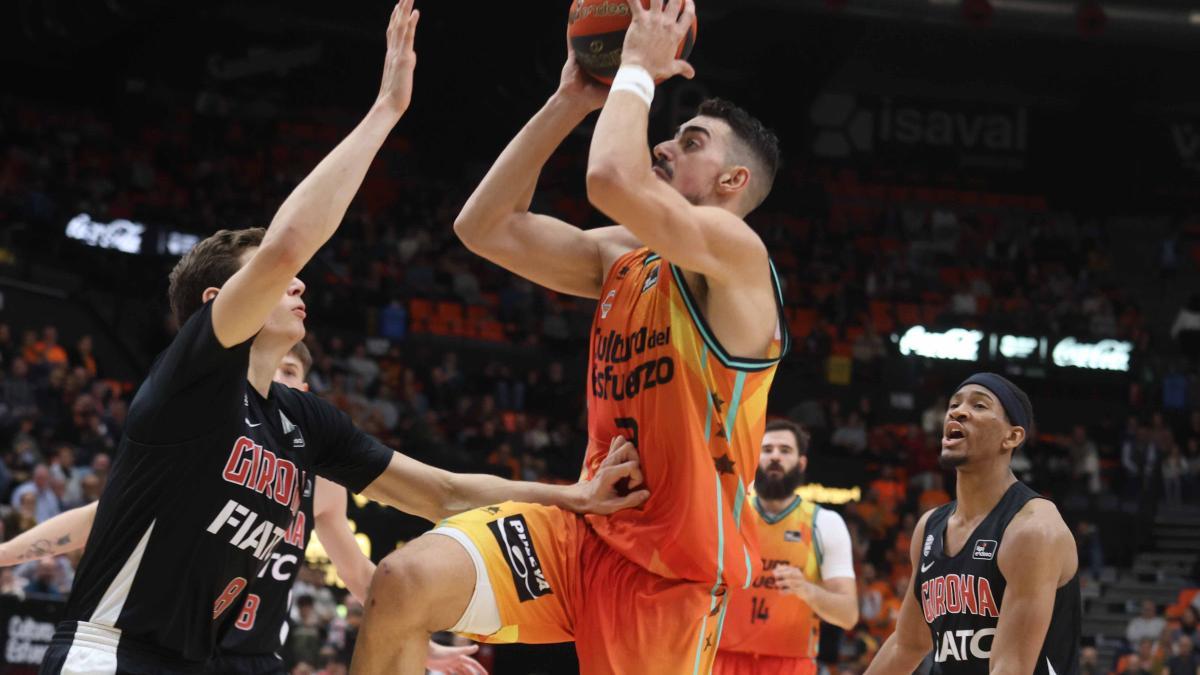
405 583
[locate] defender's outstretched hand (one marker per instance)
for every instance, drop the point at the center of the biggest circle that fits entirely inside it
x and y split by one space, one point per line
453 660
395 92
614 487
653 38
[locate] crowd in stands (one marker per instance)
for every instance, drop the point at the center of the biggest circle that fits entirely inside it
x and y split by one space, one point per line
453 361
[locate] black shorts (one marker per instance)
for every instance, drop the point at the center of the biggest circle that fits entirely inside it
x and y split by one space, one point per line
237 664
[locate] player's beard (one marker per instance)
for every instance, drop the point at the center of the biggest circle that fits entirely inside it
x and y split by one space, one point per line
951 462
772 488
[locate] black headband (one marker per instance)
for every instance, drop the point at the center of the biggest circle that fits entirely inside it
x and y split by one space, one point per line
1016 405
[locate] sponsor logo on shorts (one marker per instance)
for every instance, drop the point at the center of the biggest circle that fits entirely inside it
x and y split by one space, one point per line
513 536
985 549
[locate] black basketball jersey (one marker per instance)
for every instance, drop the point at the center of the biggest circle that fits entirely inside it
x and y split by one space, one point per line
261 626
205 489
962 595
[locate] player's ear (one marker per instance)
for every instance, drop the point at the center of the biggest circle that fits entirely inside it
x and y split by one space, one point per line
803 463
303 386
735 179
1014 439
209 293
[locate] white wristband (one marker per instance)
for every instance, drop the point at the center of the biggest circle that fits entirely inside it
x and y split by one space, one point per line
635 80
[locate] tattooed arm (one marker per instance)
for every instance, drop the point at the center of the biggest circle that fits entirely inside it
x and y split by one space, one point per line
66 532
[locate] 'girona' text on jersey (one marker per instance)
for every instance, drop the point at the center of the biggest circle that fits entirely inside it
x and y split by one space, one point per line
957 594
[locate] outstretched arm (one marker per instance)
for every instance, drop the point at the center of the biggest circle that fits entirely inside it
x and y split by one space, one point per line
329 514
435 494
904 649
312 213
1037 555
496 222
66 532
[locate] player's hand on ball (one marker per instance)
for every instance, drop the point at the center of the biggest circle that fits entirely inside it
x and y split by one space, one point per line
616 483
577 87
791 580
453 660
653 38
395 92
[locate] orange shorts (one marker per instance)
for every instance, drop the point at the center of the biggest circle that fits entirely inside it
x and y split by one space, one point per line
742 663
554 580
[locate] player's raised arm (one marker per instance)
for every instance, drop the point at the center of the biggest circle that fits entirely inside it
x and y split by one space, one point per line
435 494
496 222
312 213
904 649
66 532
623 180
1037 556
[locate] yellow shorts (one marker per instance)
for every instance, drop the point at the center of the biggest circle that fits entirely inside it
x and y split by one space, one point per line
554 580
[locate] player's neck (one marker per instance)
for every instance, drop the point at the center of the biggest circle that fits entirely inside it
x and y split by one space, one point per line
774 507
978 492
264 359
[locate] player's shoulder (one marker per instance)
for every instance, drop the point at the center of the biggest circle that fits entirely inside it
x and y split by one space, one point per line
1038 523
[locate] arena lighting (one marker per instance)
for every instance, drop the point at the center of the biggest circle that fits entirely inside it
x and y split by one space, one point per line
1102 355
119 235
1017 346
957 344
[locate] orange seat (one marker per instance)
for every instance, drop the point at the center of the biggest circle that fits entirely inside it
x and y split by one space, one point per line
450 311
420 309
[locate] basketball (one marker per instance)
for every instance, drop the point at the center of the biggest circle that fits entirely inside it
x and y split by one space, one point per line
597 28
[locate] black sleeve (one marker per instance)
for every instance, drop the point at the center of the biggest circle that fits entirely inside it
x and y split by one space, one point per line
191 385
341 452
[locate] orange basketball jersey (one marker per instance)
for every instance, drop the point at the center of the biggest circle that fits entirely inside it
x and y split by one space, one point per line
762 620
659 377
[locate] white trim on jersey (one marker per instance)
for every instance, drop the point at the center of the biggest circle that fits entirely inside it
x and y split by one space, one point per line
94 646
1050 666
108 610
837 554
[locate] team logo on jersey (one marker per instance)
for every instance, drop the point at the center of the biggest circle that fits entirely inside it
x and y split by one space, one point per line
985 549
607 305
652 280
793 536
513 536
963 645
928 546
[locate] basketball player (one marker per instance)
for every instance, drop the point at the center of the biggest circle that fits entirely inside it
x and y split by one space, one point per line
252 647
684 345
773 628
995 572
208 478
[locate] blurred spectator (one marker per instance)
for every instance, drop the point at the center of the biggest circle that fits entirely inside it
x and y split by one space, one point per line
11 584
1134 666
62 468
1139 456
852 436
933 419
1089 662
47 579
1091 552
307 632
1183 660
47 503
1174 470
1146 626
1085 459
1187 625
1186 329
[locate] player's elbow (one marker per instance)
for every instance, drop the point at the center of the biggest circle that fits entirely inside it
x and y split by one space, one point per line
605 182
847 620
